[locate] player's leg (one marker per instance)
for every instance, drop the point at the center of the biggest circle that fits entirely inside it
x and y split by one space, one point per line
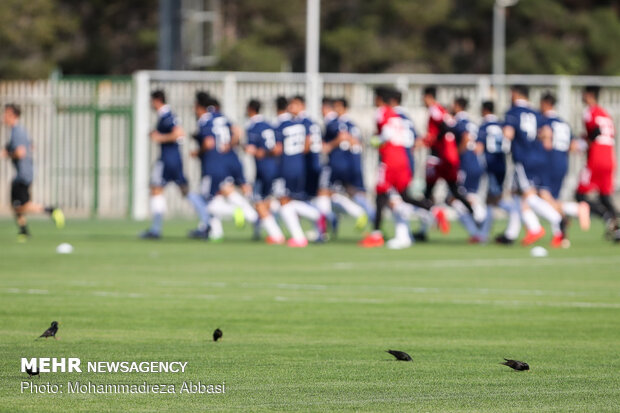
244 210
291 220
157 201
400 212
541 207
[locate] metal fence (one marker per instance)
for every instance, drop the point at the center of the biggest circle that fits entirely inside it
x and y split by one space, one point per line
81 131
90 134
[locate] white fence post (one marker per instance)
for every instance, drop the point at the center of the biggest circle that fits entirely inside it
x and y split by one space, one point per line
564 97
140 199
229 98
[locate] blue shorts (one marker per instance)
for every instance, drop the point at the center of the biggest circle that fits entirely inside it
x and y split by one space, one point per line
556 171
236 169
529 177
496 182
211 184
470 180
291 186
164 172
264 186
357 175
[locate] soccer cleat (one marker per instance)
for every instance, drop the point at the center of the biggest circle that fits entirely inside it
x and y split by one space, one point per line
420 236
558 241
442 222
398 243
198 234
532 237
58 217
361 222
239 218
321 226
216 240
503 239
372 240
148 234
22 238
474 240
583 213
274 241
294 243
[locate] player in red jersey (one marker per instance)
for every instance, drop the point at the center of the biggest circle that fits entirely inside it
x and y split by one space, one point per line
394 174
444 160
598 175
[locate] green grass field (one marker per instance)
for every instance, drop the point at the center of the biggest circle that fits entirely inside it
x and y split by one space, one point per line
307 329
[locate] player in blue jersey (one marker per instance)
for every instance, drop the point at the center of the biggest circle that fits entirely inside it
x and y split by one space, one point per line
297 108
261 143
168 167
494 146
292 145
356 189
341 177
562 143
526 130
470 170
220 172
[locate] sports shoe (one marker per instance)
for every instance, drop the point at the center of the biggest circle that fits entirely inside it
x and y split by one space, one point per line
198 234
583 213
558 241
442 222
274 241
22 238
398 243
58 217
361 222
474 240
503 239
420 236
532 237
301 243
372 240
321 226
148 234
239 218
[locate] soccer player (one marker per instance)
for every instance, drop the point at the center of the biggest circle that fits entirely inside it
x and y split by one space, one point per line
169 166
492 143
339 174
19 150
219 171
526 130
394 173
356 189
557 166
261 144
444 161
470 170
297 108
598 175
292 144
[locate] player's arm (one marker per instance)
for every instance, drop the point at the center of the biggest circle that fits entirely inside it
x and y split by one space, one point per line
235 135
18 153
175 134
465 139
545 134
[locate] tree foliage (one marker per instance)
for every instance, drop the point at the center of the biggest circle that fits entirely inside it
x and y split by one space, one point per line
438 36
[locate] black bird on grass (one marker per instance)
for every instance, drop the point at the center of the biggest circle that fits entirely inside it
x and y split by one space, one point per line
217 334
516 365
32 373
50 332
400 355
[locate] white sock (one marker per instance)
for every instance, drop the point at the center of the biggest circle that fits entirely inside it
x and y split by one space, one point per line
291 220
305 210
545 210
217 231
158 204
531 221
466 219
570 208
272 228
238 200
514 217
350 207
324 204
220 208
480 212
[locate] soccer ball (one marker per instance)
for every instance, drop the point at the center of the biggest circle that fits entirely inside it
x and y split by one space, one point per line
64 248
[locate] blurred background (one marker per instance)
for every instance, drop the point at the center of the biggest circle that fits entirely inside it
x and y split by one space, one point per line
574 37
82 72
